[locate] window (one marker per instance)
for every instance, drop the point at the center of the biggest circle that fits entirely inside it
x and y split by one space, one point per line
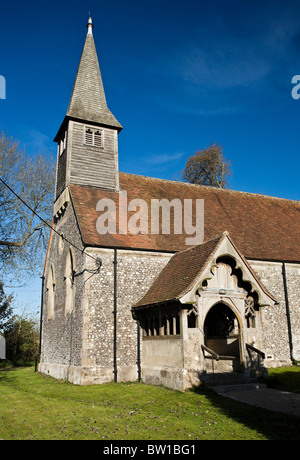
164 324
88 137
250 312
62 145
65 140
93 137
69 280
192 320
51 292
98 139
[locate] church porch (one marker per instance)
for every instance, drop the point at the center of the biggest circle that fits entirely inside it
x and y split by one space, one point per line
214 326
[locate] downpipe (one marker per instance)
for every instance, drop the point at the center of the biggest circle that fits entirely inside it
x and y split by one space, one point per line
288 313
115 262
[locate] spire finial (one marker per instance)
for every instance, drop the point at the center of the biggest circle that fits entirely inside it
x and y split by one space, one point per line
90 26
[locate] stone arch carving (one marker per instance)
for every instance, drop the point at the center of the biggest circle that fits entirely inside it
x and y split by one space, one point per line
222 309
226 274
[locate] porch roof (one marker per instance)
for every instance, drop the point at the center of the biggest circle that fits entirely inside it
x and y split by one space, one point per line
183 270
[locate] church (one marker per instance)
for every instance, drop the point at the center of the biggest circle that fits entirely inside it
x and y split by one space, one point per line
157 280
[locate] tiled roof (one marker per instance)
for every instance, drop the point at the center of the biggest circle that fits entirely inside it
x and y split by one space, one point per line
262 227
181 272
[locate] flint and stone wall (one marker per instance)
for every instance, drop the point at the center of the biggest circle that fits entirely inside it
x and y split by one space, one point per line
79 346
275 334
61 345
136 272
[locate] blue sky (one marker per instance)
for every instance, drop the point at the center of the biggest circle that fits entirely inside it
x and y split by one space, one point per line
178 75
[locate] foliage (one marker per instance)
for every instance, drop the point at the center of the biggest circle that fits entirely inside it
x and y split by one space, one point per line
22 234
208 167
35 406
22 340
6 310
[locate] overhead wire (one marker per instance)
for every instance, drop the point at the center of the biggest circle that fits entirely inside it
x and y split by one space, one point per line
97 260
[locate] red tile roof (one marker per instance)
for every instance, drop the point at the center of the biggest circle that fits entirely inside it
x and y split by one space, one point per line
262 227
182 269
179 275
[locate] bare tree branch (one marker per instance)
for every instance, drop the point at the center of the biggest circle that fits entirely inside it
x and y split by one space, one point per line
22 233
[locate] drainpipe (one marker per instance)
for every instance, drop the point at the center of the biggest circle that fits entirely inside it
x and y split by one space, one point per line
138 345
41 324
42 298
288 315
115 315
139 350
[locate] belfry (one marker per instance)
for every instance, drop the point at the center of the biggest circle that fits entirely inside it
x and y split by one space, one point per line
89 131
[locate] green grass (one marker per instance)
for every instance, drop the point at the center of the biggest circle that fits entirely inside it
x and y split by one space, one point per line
34 406
285 379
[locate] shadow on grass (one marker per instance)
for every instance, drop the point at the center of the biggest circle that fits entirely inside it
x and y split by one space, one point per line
284 379
272 425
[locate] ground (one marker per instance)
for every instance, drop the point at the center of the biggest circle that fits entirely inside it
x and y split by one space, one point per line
37 407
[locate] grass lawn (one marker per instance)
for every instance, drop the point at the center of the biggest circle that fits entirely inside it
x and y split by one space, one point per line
34 406
285 379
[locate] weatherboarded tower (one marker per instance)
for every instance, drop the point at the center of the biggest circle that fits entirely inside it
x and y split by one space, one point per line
88 137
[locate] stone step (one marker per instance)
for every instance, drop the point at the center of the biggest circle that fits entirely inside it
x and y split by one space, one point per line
237 387
225 364
228 379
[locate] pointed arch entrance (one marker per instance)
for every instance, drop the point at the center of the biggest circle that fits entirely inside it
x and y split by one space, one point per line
222 333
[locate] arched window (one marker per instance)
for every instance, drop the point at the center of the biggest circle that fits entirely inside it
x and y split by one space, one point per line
51 292
69 280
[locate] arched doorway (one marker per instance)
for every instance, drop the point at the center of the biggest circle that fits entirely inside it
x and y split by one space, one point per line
222 332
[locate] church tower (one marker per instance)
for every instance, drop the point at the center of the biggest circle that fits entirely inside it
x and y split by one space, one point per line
87 152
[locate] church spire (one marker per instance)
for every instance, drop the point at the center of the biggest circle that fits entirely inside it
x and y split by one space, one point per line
87 140
88 101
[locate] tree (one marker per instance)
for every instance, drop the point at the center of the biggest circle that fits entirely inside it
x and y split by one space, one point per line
23 235
208 167
6 310
22 340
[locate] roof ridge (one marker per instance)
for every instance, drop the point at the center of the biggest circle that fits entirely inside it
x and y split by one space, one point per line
218 189
220 236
